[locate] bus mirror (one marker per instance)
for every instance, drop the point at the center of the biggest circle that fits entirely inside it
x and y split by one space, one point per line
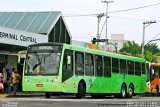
68 60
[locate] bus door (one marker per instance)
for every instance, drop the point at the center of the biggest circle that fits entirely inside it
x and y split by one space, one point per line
67 71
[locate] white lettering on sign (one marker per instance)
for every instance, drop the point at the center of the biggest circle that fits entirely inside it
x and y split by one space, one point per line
22 38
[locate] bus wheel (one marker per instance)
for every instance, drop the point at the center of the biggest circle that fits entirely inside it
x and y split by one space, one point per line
123 91
48 95
130 91
81 91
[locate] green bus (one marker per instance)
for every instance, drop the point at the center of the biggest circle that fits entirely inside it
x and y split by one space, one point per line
55 68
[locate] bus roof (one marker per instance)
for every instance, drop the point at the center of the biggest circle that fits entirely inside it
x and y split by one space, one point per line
109 54
93 51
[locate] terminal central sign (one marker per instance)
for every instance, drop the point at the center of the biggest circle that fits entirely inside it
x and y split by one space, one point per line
15 37
21 38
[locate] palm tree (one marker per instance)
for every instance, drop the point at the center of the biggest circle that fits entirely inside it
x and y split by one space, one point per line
151 57
153 47
131 47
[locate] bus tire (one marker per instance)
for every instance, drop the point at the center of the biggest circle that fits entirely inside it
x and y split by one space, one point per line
81 91
48 95
123 91
130 91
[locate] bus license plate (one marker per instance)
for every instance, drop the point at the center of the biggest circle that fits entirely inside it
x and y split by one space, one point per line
39 85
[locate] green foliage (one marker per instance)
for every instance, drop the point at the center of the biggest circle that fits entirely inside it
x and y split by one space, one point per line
151 57
132 48
151 50
152 47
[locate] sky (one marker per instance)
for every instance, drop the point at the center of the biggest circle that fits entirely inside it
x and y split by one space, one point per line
81 19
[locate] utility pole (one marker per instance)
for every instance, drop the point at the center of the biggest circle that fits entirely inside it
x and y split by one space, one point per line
106 12
145 25
98 24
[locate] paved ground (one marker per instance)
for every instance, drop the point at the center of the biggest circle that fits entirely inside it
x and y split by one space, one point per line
22 94
38 100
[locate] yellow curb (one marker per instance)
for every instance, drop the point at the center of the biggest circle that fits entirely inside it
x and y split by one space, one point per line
3 95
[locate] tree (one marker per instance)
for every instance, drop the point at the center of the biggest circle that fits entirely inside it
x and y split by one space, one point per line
151 57
131 47
153 47
151 52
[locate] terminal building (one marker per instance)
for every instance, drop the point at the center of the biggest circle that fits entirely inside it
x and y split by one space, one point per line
20 29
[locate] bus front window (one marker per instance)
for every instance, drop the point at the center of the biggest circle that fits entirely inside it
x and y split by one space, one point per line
42 62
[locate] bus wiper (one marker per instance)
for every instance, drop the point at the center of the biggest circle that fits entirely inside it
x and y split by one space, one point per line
35 66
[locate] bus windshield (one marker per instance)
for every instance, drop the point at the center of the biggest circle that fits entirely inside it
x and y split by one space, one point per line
42 61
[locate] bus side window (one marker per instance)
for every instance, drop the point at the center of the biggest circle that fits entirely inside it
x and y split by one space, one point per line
115 65
123 67
107 66
79 63
144 69
130 65
137 68
89 65
98 65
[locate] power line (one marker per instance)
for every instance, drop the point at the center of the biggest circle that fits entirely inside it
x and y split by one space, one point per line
135 8
153 39
155 36
124 10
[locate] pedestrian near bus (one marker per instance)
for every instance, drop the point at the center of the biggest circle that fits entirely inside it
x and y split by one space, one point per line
1 84
15 79
9 80
4 79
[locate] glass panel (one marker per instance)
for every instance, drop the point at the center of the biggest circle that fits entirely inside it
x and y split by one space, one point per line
137 68
107 66
144 69
123 69
98 65
89 65
43 63
115 65
4 17
38 21
52 17
79 64
130 67
14 19
24 23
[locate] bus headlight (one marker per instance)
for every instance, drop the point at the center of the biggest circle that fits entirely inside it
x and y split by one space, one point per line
26 80
56 79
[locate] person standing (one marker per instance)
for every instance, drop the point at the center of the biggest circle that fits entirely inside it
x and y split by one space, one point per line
15 80
9 78
1 84
4 79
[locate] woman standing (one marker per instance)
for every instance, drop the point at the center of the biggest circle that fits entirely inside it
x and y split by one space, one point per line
15 80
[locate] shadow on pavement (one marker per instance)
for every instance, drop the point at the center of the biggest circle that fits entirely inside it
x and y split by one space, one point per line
21 94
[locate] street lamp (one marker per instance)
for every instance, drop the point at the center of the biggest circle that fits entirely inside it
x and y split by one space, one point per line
145 24
106 12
